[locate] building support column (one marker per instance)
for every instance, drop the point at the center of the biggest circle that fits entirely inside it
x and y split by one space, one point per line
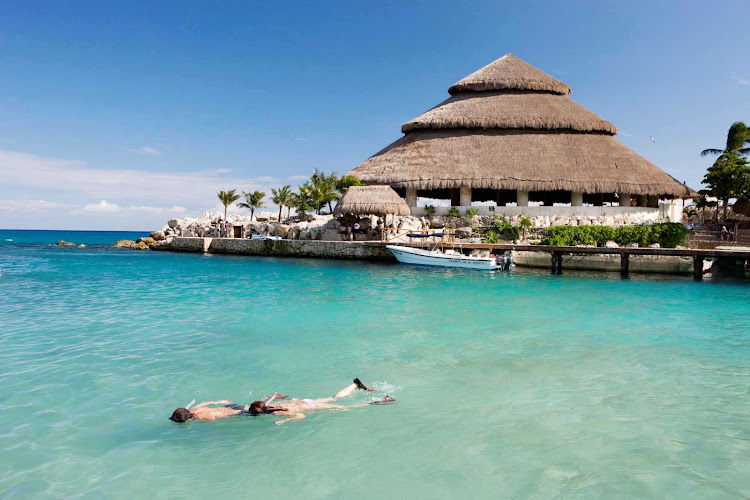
624 199
465 196
576 199
411 197
522 198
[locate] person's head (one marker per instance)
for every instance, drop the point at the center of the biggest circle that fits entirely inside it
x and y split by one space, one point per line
181 415
258 408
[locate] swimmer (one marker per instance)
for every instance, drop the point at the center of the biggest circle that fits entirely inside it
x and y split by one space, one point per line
203 411
295 409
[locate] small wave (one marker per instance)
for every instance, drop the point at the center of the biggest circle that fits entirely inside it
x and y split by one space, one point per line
386 387
8 239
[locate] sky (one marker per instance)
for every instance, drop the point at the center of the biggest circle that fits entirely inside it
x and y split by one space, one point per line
122 115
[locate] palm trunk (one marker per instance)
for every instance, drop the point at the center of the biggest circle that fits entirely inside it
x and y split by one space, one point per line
330 208
280 207
288 211
726 206
252 214
225 212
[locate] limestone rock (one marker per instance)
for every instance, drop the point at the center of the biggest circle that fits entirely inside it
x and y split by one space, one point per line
157 235
464 232
139 246
63 243
654 245
124 244
282 230
81 246
611 244
147 240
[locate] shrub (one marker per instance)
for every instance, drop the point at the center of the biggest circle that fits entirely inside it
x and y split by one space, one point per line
471 212
429 210
453 212
668 235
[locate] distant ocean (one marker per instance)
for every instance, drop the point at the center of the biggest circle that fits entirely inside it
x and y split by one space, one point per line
41 237
509 385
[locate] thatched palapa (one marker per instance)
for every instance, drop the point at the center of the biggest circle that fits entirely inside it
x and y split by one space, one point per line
366 200
510 126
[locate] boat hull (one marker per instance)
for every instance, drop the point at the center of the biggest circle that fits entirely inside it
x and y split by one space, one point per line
420 257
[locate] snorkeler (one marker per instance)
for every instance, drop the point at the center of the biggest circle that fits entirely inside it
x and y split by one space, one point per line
295 409
203 411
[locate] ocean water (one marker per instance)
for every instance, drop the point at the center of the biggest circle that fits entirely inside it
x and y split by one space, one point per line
519 385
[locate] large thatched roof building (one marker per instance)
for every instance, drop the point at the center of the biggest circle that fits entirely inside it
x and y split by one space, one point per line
509 133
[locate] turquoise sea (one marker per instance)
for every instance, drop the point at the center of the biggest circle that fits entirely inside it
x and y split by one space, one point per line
520 385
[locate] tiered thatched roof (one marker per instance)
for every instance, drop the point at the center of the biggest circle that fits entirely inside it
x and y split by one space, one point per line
512 126
365 200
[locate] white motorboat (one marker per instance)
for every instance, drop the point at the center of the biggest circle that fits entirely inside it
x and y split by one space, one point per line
448 258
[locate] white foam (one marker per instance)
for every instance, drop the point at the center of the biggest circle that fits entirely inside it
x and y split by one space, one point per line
386 387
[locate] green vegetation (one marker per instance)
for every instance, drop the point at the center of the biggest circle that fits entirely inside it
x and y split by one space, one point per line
729 176
283 197
668 235
471 212
453 212
429 210
227 198
501 227
252 201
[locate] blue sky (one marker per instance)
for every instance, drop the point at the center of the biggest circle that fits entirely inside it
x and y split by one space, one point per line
123 114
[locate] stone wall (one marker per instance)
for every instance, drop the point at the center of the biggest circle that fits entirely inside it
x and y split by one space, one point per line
286 248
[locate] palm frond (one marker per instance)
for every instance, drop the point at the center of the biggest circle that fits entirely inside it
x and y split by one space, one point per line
711 151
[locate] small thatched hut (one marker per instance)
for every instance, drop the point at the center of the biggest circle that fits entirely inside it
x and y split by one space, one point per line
367 200
510 134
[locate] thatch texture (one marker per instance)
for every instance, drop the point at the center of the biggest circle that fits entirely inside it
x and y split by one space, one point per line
509 73
511 110
513 159
367 200
511 126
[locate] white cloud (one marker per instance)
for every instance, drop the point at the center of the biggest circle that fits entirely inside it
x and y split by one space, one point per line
297 178
145 150
102 206
25 205
30 172
97 198
106 207
740 79
223 170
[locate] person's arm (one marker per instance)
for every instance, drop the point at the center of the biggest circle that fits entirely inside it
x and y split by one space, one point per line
292 416
209 403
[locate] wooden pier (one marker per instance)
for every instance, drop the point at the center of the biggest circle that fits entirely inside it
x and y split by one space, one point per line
736 259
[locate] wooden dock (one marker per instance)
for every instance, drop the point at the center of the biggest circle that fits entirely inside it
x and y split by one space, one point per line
736 259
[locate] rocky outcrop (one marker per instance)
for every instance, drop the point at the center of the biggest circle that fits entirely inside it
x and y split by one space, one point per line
63 243
124 244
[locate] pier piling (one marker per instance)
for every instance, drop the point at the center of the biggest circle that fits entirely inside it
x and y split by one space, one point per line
698 267
624 264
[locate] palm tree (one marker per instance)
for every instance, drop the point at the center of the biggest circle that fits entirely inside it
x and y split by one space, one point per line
345 182
323 189
252 201
227 198
282 196
738 136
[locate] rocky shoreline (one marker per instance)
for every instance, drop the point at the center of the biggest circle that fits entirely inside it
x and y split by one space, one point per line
328 228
